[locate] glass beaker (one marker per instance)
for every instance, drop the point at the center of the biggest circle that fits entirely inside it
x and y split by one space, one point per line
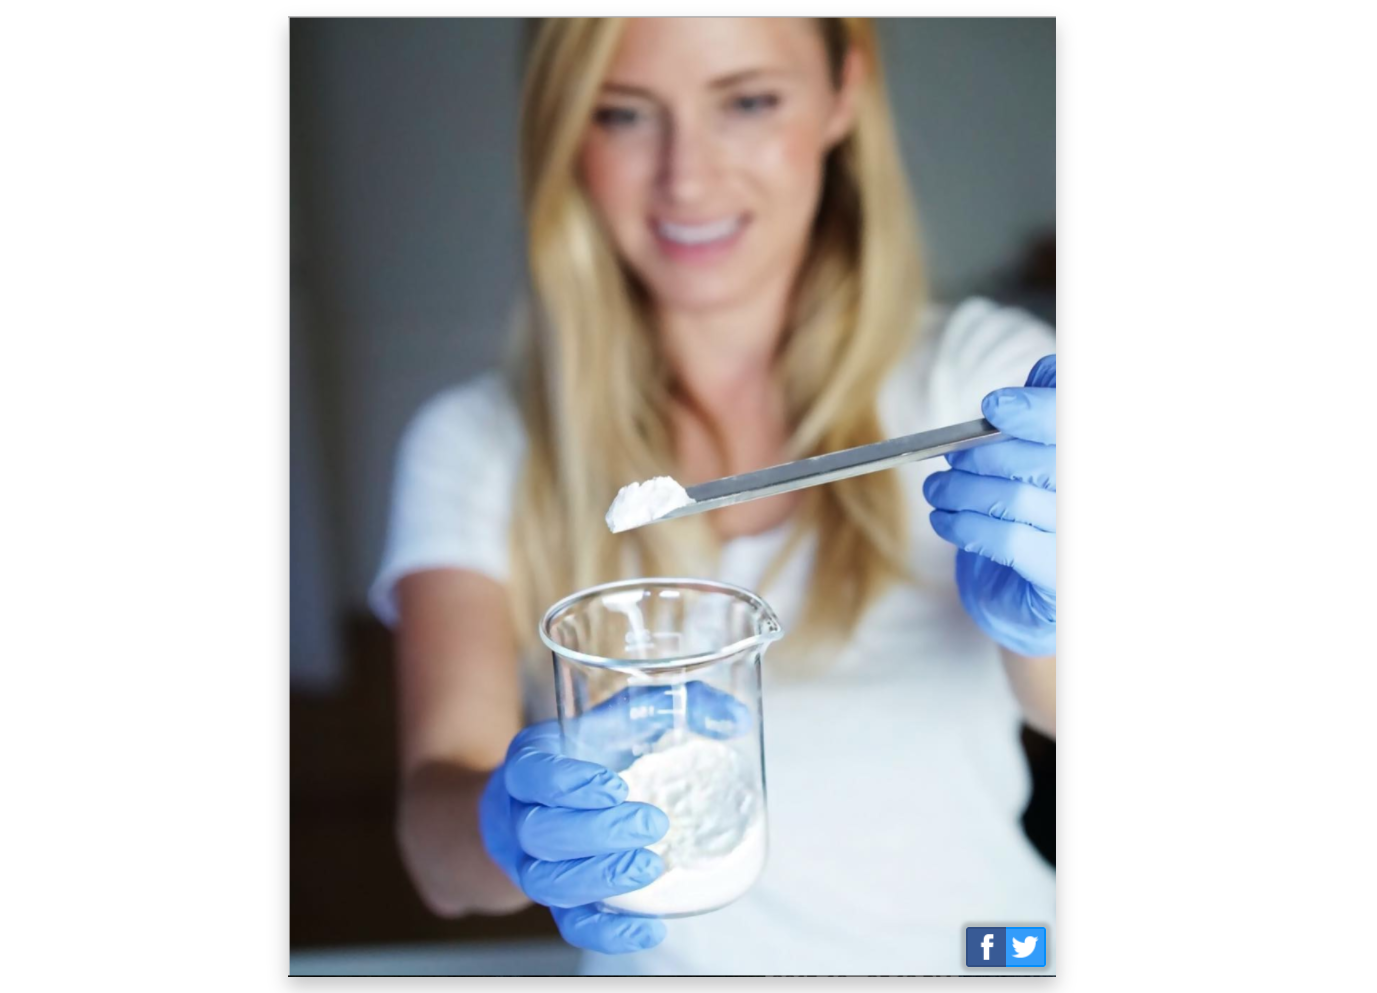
659 681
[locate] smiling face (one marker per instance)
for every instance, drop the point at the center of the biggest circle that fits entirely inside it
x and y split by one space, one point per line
704 157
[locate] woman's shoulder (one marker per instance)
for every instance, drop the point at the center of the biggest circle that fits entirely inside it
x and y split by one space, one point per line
478 415
981 337
457 467
961 353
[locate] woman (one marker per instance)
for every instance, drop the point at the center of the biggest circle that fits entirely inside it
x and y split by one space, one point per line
725 276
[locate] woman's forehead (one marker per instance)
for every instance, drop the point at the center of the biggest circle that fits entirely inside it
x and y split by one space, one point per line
679 52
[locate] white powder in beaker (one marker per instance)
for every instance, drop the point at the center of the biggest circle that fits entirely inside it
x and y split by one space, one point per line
716 843
641 503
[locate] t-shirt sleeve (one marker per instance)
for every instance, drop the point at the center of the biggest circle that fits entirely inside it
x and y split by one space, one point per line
456 474
982 347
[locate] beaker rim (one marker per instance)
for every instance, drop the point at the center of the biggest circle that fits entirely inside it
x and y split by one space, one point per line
771 630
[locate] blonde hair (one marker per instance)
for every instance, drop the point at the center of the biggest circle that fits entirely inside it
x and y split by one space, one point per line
595 389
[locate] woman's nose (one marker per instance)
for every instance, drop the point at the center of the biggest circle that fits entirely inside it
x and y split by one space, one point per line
688 163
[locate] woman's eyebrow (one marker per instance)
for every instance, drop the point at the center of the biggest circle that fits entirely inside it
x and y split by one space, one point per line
746 75
720 83
628 90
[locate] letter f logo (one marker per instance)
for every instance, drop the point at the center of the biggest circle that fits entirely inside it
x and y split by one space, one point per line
986 948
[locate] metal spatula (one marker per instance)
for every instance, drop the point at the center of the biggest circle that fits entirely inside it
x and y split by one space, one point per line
833 466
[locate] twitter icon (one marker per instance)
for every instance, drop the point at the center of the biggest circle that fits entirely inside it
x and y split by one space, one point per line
1027 947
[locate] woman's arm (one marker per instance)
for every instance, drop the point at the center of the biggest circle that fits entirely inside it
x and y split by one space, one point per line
460 700
1034 681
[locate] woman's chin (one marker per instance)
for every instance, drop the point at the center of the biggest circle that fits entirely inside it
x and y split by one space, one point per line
700 294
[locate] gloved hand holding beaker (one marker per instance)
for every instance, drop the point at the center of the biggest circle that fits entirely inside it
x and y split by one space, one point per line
562 829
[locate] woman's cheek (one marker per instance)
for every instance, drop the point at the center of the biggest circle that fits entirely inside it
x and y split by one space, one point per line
598 170
788 169
613 182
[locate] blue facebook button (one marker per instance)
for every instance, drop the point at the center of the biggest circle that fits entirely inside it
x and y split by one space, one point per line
1006 947
985 946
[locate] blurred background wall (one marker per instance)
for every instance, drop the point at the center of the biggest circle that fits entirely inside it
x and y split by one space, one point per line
406 258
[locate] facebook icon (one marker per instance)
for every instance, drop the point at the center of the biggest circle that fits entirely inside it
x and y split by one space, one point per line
985 946
1006 947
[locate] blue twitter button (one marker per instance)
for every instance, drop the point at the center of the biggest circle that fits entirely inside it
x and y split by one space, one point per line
1025 946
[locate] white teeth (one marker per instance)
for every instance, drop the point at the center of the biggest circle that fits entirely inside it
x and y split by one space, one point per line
698 234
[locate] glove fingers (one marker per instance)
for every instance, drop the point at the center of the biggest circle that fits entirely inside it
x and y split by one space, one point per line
1013 612
611 934
1002 499
536 775
1026 461
557 833
495 826
1029 552
536 772
717 714
573 882
627 724
1023 412
1044 373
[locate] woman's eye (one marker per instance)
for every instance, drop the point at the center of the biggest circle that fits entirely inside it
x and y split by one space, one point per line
615 118
755 104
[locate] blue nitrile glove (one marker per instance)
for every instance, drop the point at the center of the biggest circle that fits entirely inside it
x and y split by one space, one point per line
562 829
998 505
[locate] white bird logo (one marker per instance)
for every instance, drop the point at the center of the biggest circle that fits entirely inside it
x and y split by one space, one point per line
1024 948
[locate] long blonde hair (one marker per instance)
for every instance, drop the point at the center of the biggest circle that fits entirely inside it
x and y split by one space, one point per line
595 388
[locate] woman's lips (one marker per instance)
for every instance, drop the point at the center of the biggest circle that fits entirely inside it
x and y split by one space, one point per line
707 241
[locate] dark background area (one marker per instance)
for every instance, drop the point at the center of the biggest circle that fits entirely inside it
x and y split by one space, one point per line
406 258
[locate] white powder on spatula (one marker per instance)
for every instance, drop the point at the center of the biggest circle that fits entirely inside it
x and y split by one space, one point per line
641 503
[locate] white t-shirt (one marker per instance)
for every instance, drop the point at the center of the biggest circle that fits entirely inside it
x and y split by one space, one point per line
896 779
